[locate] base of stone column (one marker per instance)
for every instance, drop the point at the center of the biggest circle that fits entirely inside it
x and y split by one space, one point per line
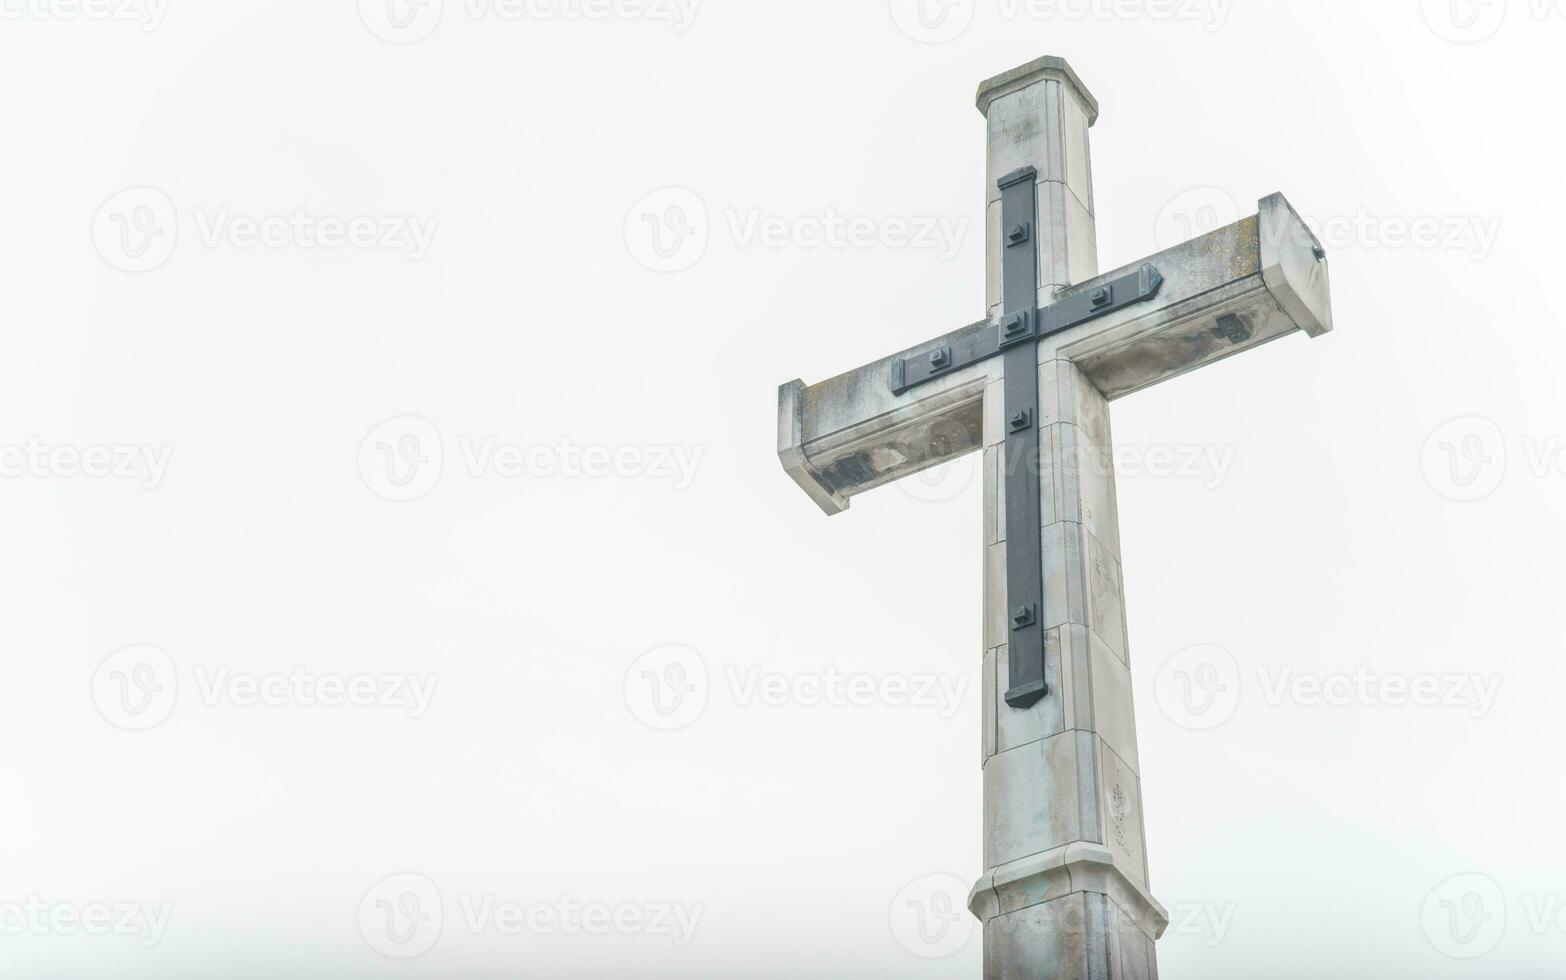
1067 914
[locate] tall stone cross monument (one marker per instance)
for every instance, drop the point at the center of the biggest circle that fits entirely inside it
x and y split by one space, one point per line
1065 891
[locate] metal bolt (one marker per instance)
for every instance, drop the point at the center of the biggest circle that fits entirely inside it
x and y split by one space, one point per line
1233 329
1015 324
941 358
1018 234
1102 295
1022 617
1021 420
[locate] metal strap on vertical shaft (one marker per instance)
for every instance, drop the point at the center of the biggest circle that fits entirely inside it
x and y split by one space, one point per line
1024 535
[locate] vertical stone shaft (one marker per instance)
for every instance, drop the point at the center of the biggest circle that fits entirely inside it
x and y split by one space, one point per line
1065 889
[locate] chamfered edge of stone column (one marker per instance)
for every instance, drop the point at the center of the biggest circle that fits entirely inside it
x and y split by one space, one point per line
791 450
1294 265
1081 866
1024 75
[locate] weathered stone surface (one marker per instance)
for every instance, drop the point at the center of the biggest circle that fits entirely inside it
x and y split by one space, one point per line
1064 893
851 434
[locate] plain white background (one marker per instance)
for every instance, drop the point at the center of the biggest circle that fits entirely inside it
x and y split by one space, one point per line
1352 529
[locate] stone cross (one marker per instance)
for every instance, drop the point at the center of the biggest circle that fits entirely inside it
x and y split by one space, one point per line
1065 891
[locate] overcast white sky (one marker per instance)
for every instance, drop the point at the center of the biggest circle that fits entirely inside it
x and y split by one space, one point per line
398 394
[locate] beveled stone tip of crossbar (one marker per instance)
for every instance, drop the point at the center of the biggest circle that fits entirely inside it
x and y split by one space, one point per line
1031 74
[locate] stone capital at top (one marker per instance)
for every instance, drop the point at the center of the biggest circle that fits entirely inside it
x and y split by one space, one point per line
1032 73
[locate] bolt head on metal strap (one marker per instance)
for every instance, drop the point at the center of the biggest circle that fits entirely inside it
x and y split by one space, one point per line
1022 617
1017 328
